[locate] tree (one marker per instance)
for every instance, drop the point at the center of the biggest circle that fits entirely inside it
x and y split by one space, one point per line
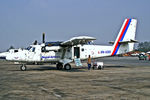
144 46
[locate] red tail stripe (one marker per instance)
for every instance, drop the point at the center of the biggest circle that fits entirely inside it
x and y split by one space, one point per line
120 36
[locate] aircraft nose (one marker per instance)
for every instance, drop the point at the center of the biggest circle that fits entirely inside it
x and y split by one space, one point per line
2 57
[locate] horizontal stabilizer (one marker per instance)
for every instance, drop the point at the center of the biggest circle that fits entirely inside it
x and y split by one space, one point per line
111 42
131 41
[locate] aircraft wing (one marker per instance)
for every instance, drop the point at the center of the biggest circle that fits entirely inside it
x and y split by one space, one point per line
78 40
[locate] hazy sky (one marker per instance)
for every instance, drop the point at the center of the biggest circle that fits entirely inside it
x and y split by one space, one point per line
23 21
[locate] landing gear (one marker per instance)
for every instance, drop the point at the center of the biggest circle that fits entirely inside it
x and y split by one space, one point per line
59 66
23 67
100 67
67 67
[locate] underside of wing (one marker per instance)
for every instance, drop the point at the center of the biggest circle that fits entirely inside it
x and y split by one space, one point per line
78 40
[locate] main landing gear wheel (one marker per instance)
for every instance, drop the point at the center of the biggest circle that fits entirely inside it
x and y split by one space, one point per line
23 67
100 67
59 66
67 67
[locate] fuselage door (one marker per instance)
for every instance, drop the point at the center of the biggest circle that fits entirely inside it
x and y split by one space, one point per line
76 52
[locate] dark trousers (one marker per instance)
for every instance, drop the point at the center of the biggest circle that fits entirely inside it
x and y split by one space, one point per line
89 66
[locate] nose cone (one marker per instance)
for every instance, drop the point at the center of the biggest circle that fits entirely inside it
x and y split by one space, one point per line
3 55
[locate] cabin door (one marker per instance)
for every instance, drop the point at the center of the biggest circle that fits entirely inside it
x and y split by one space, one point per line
76 52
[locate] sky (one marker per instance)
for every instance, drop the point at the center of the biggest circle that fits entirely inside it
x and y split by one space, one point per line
23 21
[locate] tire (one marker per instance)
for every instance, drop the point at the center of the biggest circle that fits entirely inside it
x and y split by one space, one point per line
67 67
59 66
23 68
99 67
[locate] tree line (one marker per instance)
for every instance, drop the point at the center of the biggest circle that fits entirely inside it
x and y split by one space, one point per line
144 46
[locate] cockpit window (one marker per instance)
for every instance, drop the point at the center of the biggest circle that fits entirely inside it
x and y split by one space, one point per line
33 49
28 48
15 51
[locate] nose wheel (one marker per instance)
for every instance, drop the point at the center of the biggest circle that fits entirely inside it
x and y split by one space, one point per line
23 67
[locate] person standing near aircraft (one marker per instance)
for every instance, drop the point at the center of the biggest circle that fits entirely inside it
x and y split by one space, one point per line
89 62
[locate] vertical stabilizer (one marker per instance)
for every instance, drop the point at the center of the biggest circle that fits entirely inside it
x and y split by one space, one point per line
125 39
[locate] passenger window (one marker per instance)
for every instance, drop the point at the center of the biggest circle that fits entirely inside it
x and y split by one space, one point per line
82 49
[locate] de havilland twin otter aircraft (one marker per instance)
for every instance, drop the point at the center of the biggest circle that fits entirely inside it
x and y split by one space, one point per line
63 53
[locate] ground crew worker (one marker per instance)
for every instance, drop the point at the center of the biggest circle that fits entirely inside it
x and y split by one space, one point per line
89 62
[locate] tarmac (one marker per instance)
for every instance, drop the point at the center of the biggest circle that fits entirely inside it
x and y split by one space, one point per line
123 78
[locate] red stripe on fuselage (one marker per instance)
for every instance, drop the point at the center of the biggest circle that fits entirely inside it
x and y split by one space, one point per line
123 30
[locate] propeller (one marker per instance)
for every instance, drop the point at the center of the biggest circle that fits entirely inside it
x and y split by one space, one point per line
43 39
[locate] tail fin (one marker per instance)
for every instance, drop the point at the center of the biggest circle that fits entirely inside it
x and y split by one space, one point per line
126 37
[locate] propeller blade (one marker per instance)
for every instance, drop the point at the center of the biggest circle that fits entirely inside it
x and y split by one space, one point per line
43 40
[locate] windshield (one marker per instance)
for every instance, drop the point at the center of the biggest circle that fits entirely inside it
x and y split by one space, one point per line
28 48
33 49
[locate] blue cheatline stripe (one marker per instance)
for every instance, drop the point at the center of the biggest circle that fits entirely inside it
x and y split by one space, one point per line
117 49
126 30
123 36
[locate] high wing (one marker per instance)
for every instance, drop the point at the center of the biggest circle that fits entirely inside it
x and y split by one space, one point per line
78 40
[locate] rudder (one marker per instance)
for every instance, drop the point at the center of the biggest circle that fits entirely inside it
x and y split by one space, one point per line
126 37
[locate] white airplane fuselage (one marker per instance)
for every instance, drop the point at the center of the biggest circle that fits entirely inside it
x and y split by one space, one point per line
80 51
65 52
35 53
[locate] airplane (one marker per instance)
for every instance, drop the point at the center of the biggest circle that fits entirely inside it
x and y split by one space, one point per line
63 53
